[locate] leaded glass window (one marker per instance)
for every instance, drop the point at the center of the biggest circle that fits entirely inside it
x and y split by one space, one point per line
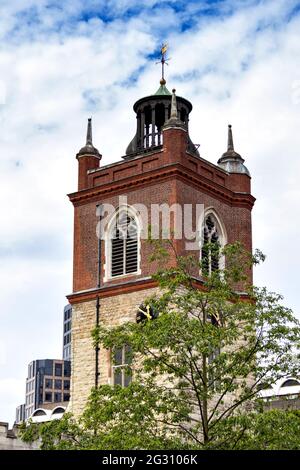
210 250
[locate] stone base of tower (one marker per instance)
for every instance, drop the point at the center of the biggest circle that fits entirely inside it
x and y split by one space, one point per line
114 310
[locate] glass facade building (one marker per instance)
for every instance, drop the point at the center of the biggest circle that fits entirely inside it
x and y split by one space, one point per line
20 413
48 383
67 332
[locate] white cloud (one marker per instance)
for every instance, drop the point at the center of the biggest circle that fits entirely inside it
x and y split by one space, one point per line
3 353
10 389
241 68
2 92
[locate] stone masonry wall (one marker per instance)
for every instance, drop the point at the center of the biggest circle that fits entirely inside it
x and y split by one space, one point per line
9 439
114 310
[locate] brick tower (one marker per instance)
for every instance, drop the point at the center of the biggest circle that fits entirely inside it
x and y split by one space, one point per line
112 276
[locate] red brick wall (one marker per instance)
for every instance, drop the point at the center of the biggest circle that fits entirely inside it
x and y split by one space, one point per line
86 242
167 176
235 220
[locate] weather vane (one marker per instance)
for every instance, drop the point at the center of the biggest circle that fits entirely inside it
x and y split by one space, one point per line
164 60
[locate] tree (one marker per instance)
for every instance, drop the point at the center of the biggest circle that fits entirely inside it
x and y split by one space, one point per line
114 418
269 430
201 352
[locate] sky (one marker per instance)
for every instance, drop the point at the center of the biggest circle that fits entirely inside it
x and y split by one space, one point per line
237 61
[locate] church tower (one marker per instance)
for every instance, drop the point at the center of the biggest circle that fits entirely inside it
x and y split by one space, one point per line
112 273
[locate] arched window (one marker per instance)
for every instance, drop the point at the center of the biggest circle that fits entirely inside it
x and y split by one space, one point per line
213 239
58 410
124 244
290 383
39 413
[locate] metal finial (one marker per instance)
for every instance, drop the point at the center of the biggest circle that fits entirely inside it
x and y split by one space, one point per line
230 139
89 136
163 61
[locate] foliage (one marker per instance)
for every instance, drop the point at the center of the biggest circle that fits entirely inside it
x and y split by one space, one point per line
114 418
197 367
211 348
269 430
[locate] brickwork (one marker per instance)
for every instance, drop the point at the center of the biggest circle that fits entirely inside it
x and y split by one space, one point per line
86 242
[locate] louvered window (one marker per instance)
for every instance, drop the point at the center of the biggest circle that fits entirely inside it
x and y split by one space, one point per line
124 245
210 251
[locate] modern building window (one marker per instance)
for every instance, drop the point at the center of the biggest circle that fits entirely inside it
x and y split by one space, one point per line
67 369
67 326
213 240
124 243
48 367
30 370
48 383
67 384
121 366
57 397
58 369
67 313
58 384
67 338
48 396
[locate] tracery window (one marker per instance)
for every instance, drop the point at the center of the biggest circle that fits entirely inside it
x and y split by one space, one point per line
212 242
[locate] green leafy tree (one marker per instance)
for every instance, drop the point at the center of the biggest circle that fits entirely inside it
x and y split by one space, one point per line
114 418
201 351
269 430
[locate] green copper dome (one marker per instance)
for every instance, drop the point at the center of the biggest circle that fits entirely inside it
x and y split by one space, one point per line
163 90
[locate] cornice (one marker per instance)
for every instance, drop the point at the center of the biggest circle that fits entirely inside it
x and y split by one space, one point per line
111 290
129 287
171 170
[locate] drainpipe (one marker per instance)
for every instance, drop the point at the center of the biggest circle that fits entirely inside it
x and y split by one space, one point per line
97 373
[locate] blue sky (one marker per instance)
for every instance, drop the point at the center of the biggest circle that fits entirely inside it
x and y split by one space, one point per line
238 62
